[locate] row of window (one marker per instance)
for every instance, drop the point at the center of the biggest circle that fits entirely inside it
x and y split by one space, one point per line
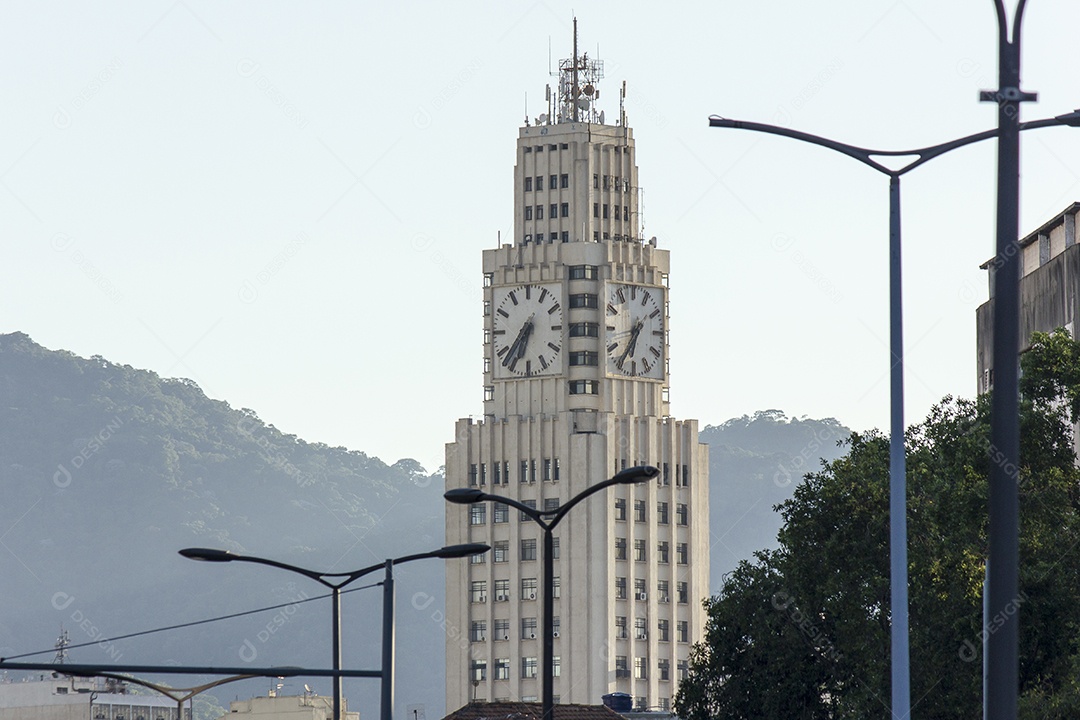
682 552
529 591
536 212
554 181
641 665
601 210
500 550
529 667
682 594
552 146
682 514
611 181
501 629
549 472
663 629
564 236
478 590
682 473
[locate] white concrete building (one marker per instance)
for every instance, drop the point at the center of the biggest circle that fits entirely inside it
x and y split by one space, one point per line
287 707
575 314
61 698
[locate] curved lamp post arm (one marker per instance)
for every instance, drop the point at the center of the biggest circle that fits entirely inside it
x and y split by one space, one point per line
866 155
212 555
469 496
629 476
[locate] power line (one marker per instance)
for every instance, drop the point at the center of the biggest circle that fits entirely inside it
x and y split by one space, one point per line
189 624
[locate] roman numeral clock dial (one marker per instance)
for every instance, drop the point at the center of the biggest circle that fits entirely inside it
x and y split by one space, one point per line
635 331
527 331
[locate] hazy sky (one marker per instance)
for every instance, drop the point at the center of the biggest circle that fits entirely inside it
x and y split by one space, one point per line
287 202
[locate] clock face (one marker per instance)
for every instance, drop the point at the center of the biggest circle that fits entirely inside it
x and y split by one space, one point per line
635 331
527 331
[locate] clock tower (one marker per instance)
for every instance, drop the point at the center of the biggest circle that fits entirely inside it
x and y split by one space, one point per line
575 315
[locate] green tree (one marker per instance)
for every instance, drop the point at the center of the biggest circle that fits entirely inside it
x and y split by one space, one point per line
803 632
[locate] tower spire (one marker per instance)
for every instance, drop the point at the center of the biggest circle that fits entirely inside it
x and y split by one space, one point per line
578 91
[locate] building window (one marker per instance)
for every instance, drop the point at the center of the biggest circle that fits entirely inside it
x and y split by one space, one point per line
641 668
641 631
605 211
532 471
685 476
596 210
553 179
553 212
528 504
478 591
621 668
620 588
502 590
539 178
564 209
528 216
502 668
547 476
664 668
556 666
682 554
584 329
665 475
555 471
528 667
540 214
620 509
564 179
477 559
584 357
662 513
478 631
620 627
528 628
528 184
551 505
625 213
684 669
553 236
584 387
583 300
620 548
662 553
556 586
583 272
683 594
639 511
639 551
662 630
501 551
477 514
680 514
489 392
524 471
639 589
528 588
565 236
502 630
528 549
483 474
596 181
682 631
662 592
472 475
500 511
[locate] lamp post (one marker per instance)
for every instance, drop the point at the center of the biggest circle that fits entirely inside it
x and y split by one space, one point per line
179 695
335 581
900 663
547 520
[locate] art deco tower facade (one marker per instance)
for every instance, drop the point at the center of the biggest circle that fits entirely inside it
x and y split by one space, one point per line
575 389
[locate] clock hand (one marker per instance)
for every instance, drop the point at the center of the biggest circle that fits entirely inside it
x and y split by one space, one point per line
517 349
632 343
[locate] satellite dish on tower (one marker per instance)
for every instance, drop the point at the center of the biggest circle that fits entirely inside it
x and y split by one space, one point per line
589 89
583 103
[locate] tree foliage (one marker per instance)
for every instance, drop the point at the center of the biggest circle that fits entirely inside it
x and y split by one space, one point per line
803 631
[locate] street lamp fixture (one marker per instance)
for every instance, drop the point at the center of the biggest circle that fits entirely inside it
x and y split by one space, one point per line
337 580
547 520
900 663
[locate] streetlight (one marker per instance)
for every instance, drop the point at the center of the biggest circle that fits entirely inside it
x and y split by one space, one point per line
901 691
179 695
467 496
335 581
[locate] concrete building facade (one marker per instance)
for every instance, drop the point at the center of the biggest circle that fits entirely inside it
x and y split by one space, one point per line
287 707
65 698
575 388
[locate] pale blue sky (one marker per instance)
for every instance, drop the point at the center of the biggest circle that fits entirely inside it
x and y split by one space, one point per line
286 202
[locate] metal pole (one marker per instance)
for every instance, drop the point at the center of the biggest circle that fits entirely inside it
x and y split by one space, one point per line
387 700
1003 570
548 659
898 567
336 633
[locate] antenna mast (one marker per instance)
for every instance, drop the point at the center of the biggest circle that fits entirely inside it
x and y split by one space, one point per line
61 646
578 92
